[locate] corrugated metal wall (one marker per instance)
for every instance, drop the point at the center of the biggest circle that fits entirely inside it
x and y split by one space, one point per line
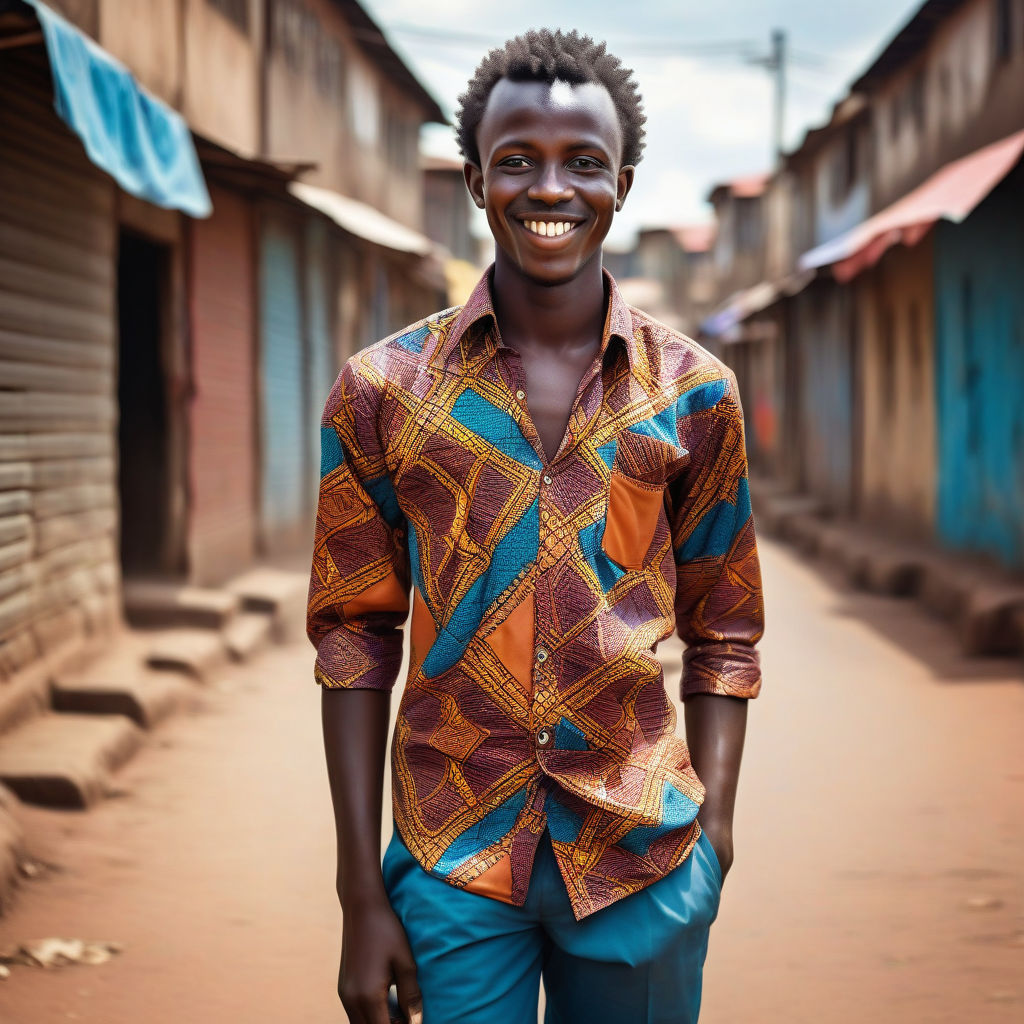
285 514
222 471
979 314
822 319
898 392
59 573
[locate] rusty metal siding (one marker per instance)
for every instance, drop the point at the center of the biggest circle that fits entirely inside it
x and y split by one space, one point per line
222 421
898 392
59 571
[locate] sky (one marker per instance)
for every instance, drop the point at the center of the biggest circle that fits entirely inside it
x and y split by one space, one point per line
709 109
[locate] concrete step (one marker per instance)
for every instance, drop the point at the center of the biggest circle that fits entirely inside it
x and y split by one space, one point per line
65 760
197 653
158 603
120 685
276 592
989 622
247 634
946 585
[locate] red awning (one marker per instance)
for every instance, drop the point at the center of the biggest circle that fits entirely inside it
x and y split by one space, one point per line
949 194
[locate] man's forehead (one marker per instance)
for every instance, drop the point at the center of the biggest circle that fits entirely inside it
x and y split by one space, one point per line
589 103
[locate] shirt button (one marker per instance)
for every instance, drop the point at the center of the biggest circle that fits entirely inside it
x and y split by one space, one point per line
542 655
521 395
547 479
544 737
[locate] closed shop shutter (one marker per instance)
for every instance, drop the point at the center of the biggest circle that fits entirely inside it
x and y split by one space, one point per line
58 493
222 491
321 363
285 513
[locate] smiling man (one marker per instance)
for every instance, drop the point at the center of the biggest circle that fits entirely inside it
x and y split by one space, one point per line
561 482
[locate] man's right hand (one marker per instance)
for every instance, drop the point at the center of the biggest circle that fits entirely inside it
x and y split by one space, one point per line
374 953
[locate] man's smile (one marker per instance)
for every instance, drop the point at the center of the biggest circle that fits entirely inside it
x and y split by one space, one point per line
548 227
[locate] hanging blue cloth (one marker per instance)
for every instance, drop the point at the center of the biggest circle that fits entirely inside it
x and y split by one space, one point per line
139 141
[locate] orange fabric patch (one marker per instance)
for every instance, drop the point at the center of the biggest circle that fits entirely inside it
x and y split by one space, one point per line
495 882
512 643
386 595
631 521
423 632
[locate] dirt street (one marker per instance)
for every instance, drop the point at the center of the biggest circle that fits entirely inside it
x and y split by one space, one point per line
879 838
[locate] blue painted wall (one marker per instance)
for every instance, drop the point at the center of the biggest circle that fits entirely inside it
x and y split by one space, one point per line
979 328
285 510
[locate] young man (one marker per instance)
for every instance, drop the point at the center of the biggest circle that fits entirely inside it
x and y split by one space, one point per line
561 481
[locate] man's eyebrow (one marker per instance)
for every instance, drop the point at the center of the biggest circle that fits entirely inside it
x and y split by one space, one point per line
584 142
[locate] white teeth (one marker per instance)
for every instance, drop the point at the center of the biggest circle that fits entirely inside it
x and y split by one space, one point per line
549 229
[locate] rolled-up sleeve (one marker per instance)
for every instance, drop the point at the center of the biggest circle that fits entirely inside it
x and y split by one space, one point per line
719 602
359 583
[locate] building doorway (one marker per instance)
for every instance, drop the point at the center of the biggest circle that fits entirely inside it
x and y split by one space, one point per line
143 435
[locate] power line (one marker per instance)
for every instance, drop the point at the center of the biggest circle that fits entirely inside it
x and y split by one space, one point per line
724 47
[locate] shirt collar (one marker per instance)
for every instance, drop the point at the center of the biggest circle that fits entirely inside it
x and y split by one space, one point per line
477 315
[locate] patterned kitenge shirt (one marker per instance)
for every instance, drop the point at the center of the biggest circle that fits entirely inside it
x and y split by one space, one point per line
539 592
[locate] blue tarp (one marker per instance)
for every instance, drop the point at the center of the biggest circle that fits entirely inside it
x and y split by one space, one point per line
140 142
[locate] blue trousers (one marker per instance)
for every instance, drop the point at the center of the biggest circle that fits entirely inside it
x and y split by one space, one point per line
479 961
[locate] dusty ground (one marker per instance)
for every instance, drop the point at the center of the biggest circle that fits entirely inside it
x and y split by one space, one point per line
880 844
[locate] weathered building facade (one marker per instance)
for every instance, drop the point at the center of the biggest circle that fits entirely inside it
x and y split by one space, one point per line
165 362
898 310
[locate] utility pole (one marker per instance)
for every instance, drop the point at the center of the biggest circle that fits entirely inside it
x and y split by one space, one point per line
778 69
775 65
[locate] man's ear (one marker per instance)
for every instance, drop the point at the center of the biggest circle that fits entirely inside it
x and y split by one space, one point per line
623 184
474 182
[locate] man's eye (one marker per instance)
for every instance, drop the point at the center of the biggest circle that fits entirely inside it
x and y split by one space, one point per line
515 161
584 163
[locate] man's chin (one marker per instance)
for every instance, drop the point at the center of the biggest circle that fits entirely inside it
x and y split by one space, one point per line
550 273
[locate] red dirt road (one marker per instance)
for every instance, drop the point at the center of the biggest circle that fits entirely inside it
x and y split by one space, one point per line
879 837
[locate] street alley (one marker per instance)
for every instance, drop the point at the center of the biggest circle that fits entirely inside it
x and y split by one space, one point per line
879 830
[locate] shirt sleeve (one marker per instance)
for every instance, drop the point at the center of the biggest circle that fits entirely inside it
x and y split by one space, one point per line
719 603
359 583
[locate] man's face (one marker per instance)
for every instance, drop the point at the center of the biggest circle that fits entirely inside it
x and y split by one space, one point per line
549 179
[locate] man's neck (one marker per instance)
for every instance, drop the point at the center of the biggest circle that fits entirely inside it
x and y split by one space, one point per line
555 317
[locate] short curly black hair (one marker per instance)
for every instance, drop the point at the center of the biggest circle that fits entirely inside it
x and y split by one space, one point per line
541 55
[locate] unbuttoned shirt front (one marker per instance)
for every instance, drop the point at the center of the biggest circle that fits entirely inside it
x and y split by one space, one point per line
540 590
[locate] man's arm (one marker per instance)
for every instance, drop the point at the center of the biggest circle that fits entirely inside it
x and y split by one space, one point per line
358 600
375 950
719 606
715 729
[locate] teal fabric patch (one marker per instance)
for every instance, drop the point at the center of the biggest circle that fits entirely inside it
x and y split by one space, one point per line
714 535
331 453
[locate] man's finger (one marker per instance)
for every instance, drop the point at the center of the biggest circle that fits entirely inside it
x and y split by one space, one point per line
409 997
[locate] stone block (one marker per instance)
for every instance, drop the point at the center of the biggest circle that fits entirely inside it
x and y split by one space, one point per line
280 593
146 696
155 603
989 620
198 653
65 760
247 634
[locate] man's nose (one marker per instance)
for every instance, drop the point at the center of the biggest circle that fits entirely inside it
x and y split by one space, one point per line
551 186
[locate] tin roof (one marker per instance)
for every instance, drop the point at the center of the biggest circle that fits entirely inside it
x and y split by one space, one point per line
951 193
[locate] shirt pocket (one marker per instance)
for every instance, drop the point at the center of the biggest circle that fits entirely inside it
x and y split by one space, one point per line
634 509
